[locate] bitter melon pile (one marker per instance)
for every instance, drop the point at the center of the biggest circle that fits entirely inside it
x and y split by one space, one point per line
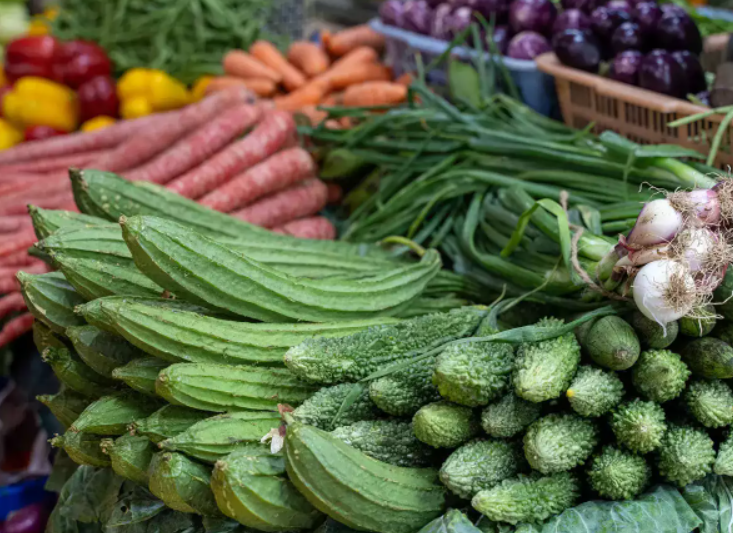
238 377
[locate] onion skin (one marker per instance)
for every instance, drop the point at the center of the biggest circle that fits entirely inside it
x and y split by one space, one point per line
651 285
707 205
658 223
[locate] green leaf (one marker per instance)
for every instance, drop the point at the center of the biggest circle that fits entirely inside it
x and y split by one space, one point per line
463 81
331 526
519 230
135 504
451 522
563 231
591 218
63 469
90 495
712 499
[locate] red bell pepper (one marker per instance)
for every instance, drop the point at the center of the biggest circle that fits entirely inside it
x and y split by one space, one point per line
31 56
38 133
97 97
77 62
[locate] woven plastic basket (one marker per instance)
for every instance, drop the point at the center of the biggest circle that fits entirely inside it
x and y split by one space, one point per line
289 18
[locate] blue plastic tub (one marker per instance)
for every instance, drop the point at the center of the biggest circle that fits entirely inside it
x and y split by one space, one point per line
19 495
536 88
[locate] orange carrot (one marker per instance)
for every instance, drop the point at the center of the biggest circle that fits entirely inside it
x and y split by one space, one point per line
355 74
300 200
375 93
240 64
315 115
310 94
271 56
333 100
406 79
309 228
15 328
347 40
260 86
309 58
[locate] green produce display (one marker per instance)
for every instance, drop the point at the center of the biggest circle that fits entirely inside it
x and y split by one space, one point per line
618 475
51 300
111 415
660 375
509 416
445 424
639 425
556 443
167 422
102 351
141 374
65 405
75 374
404 392
651 334
593 392
82 448
612 343
324 409
710 402
685 455
389 441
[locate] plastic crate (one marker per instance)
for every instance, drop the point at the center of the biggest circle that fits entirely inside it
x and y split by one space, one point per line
636 113
536 88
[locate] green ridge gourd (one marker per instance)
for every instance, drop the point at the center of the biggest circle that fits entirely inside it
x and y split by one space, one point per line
543 370
82 448
710 402
481 464
44 338
65 405
444 424
639 425
389 441
322 408
558 442
182 484
355 489
51 300
685 455
532 498
593 392
222 388
660 375
509 416
213 438
167 422
356 356
75 374
474 374
141 374
110 415
618 475
176 335
101 350
252 489
206 272
130 456
46 222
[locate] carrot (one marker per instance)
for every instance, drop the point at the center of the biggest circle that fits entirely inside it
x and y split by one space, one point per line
359 73
167 130
309 58
274 174
309 228
375 93
260 86
358 56
34 266
347 40
300 200
333 124
51 164
17 259
271 56
16 327
266 139
18 241
314 115
406 79
240 64
11 224
199 145
310 94
11 303
335 193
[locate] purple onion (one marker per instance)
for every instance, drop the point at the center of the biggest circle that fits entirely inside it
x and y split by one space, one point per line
578 49
434 3
659 72
390 12
623 5
628 36
673 9
571 19
489 8
586 6
605 20
678 32
625 67
646 15
532 15
527 45
694 74
459 20
440 28
417 16
501 38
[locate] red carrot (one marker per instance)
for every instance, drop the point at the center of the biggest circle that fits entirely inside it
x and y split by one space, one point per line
17 259
34 266
11 224
266 139
18 241
15 328
309 228
11 303
274 174
50 164
300 200
160 135
198 146
45 195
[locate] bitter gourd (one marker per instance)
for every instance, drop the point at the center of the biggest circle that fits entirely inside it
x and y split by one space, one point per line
356 356
357 490
167 422
194 266
110 415
48 221
141 374
182 484
130 456
75 374
51 299
403 393
322 408
389 441
101 350
215 437
176 335
82 448
65 405
222 388
252 489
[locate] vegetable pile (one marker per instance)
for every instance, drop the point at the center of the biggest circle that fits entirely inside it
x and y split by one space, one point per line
226 152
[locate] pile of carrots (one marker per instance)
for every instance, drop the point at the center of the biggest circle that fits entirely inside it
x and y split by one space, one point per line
343 70
228 151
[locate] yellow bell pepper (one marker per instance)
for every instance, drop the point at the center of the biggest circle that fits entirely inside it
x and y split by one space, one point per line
9 135
40 102
144 91
41 24
198 91
97 123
